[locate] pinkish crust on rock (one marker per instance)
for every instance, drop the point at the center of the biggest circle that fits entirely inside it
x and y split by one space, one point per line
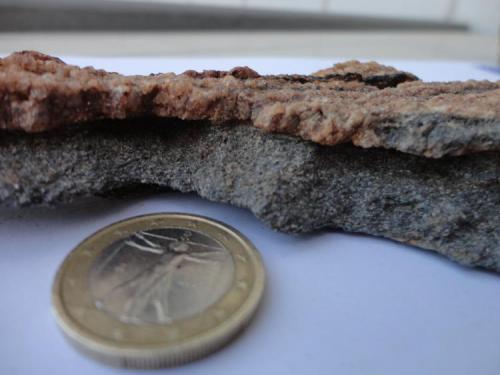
368 69
350 102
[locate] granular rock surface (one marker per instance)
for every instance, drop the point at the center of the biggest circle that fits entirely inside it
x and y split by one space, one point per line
365 104
450 205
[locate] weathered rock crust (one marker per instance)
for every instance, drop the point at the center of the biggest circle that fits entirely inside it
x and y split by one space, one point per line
367 104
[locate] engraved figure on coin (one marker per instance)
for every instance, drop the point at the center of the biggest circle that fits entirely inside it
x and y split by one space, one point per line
157 276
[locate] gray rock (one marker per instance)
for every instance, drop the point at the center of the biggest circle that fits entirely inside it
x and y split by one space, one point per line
450 205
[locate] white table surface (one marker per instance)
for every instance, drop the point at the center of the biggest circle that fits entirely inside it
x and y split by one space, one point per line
335 303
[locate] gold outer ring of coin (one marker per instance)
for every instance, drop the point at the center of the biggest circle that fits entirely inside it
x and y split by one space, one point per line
107 339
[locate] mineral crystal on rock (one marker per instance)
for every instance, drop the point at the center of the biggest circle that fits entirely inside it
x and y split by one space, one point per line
368 104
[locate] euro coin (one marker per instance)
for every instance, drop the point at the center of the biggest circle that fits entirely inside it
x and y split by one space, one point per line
157 290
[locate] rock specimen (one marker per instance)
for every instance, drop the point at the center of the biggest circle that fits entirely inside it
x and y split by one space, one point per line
367 104
438 202
450 205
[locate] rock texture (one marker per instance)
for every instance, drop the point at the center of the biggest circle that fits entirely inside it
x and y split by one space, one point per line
450 205
368 104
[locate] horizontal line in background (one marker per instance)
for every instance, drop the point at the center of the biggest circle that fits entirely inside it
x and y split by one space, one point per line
107 16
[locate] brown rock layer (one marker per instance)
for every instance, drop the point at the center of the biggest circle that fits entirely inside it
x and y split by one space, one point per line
367 104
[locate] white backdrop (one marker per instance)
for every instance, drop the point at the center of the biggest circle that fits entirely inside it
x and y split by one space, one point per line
335 303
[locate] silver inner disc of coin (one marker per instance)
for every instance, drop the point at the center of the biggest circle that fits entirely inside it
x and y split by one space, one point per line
160 275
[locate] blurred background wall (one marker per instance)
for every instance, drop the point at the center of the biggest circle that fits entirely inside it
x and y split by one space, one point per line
374 29
478 15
